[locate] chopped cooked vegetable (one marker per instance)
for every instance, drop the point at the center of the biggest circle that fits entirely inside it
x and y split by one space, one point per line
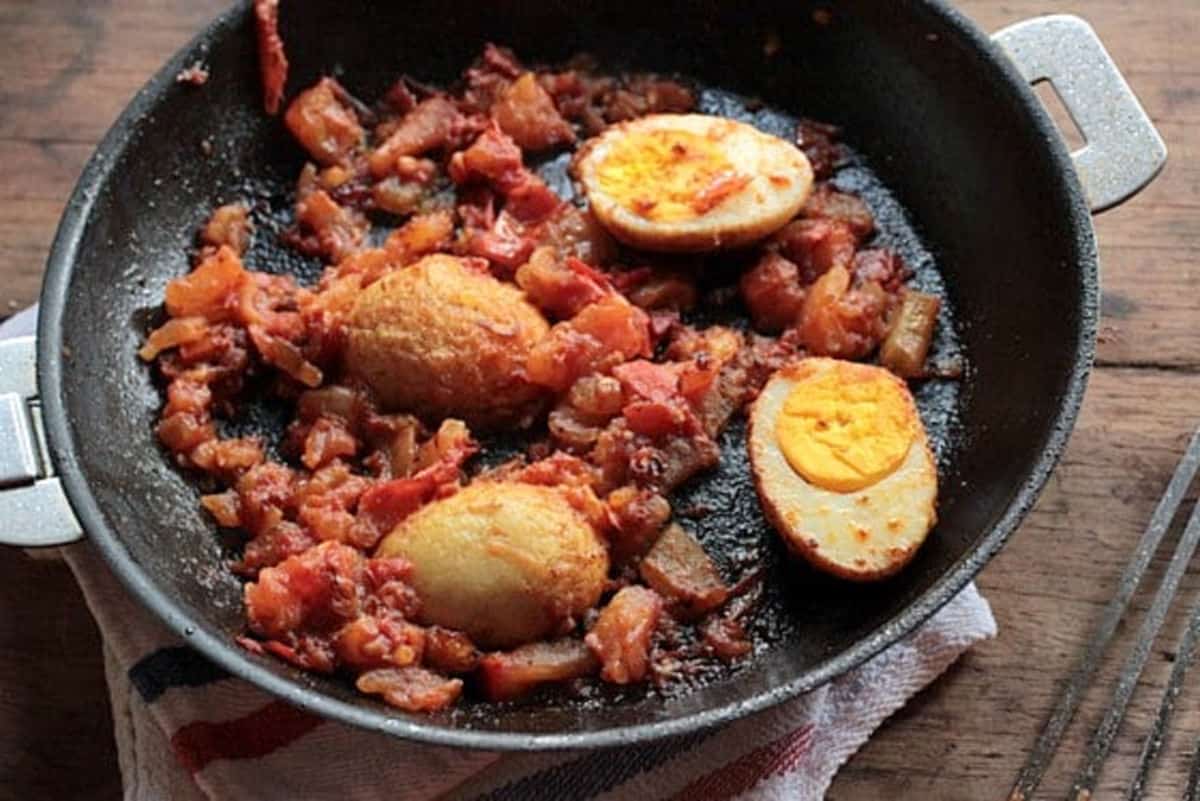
460 290
526 112
272 62
620 639
505 676
324 125
412 689
907 342
678 568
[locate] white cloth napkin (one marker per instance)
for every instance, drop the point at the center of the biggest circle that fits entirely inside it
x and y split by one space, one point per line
186 730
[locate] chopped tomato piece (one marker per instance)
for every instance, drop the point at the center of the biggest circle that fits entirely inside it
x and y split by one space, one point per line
602 335
384 505
450 651
224 507
506 250
647 380
286 356
316 590
658 419
412 689
387 589
828 203
327 440
286 539
210 290
620 639
843 321
189 393
370 642
561 288
326 228
389 502
183 432
446 451
636 517
526 112
725 638
819 142
531 200
493 157
171 334
420 236
817 246
559 469
772 293
324 125
427 127
508 676
678 568
227 458
263 492
228 225
272 62
620 327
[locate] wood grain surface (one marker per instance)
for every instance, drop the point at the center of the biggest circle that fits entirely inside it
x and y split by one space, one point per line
67 67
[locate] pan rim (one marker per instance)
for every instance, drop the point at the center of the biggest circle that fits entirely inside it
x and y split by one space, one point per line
64 256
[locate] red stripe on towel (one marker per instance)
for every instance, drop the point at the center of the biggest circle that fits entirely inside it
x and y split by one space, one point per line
733 779
254 735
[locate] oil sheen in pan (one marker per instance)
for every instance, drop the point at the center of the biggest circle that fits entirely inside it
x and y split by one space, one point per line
719 506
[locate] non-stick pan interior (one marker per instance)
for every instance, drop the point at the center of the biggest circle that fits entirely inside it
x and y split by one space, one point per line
940 130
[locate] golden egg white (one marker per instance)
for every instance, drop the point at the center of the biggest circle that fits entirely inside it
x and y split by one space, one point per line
848 417
692 182
506 563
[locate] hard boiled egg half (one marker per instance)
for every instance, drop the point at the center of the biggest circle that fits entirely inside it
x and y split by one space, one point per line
692 182
843 467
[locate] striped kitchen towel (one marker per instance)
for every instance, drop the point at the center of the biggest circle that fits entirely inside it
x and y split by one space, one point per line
186 730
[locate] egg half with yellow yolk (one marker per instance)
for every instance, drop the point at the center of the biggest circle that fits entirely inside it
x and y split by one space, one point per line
692 182
842 466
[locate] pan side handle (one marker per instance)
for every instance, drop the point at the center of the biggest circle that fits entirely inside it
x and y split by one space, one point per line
34 512
1123 152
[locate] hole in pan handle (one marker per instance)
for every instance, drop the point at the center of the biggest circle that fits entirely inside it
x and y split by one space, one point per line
1124 151
34 512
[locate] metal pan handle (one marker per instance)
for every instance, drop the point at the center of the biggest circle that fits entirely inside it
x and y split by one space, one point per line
34 512
1124 151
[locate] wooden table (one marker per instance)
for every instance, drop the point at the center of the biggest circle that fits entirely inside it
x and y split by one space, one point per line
67 68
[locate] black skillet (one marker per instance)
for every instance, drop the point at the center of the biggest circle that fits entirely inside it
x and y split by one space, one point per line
942 115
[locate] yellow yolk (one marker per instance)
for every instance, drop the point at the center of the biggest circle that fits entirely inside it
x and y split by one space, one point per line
846 428
668 175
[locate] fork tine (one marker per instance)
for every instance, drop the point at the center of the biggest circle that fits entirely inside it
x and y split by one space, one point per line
1081 676
1153 745
1192 793
1104 734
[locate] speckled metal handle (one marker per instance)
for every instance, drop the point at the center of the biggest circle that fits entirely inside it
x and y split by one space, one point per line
34 512
1123 151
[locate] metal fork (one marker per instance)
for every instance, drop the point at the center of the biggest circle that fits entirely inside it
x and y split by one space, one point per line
1081 676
